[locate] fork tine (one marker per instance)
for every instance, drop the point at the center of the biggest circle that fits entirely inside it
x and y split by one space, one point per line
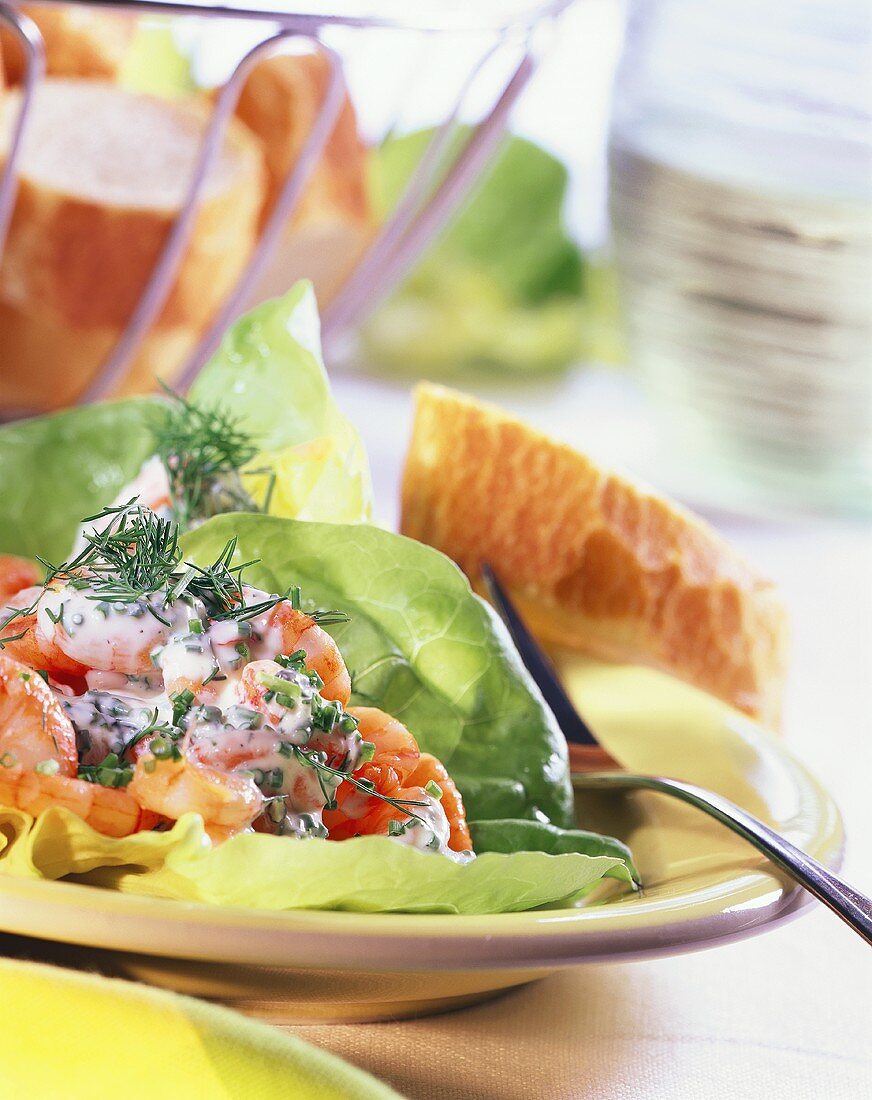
575 729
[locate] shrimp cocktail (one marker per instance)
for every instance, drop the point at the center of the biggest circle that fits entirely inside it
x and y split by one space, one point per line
145 688
204 669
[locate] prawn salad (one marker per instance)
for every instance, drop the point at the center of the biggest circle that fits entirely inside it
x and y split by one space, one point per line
145 688
176 719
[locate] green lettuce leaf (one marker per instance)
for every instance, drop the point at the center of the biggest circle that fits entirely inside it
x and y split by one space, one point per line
269 372
420 645
55 470
154 62
502 288
538 836
367 874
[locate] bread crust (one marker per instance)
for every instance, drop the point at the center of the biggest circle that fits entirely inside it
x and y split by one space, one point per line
333 223
82 258
596 562
44 365
279 103
78 42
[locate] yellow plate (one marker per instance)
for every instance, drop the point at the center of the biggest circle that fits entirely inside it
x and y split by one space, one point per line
703 886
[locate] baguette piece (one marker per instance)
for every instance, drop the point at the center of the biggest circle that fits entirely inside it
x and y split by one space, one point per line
102 176
333 223
595 561
79 41
45 365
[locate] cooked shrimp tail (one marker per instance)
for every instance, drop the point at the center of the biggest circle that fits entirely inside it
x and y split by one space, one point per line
286 630
228 802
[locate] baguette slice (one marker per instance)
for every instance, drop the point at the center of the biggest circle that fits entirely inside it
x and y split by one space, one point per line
333 223
102 176
79 41
595 561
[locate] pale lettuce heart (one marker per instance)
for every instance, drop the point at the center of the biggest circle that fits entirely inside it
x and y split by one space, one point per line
253 870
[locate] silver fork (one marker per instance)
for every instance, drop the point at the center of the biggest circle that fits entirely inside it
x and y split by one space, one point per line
590 760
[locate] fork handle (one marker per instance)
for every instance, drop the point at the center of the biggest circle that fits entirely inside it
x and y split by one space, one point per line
854 908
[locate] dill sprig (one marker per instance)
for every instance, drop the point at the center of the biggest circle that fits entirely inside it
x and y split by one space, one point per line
203 450
328 618
137 559
219 587
133 557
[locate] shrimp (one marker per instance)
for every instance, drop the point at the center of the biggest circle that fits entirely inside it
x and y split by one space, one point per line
33 726
396 757
96 634
432 770
283 629
227 802
109 810
395 747
34 731
22 641
16 573
399 771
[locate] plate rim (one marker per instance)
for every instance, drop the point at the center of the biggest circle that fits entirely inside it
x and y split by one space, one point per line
755 900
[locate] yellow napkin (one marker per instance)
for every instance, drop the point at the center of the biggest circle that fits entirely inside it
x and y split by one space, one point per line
72 1035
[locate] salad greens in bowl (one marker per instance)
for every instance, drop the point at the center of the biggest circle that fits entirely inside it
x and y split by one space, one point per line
227 686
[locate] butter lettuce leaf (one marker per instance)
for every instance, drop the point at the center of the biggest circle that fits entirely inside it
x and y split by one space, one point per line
502 289
57 469
538 836
420 645
365 875
269 373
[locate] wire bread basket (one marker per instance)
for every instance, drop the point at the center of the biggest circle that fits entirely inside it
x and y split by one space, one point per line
502 42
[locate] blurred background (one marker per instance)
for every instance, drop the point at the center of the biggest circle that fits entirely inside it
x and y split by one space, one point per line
645 225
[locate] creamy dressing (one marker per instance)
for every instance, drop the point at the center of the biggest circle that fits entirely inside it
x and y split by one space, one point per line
105 722
105 635
150 487
267 636
187 661
169 668
430 832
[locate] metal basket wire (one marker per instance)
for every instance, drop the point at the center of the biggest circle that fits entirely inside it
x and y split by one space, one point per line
443 176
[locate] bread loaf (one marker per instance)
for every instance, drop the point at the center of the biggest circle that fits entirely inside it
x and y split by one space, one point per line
46 365
103 173
78 40
280 102
102 176
595 561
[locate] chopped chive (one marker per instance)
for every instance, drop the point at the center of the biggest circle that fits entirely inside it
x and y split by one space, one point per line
433 789
278 685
